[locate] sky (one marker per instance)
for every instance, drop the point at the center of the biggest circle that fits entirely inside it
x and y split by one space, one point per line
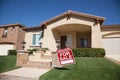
33 12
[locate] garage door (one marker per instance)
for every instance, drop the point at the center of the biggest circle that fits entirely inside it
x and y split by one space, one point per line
4 48
112 46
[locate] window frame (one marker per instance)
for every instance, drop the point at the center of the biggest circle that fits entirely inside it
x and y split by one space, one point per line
36 43
84 43
13 29
20 29
5 32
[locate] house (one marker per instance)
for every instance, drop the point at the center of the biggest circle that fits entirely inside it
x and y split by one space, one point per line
74 30
11 37
70 29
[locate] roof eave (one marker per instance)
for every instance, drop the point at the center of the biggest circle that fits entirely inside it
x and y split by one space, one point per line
33 28
98 18
9 25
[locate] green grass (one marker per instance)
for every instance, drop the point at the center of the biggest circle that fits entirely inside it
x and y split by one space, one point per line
85 69
7 63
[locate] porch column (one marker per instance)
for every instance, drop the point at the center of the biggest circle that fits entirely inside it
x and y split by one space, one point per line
74 40
96 41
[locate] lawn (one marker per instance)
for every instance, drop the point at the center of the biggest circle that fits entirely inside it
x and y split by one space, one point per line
85 69
7 63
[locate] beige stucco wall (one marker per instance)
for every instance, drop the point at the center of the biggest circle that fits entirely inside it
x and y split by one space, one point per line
29 38
96 41
49 39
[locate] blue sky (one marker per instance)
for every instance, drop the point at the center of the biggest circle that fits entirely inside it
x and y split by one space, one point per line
33 12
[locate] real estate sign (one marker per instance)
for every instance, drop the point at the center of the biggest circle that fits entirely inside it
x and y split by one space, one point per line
65 56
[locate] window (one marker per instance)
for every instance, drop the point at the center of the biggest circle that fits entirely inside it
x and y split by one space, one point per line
21 30
13 29
5 32
84 42
69 41
36 39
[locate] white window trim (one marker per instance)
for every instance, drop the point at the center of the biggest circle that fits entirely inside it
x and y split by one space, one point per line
13 29
69 41
37 45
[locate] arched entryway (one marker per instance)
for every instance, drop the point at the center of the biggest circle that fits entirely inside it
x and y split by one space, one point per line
72 35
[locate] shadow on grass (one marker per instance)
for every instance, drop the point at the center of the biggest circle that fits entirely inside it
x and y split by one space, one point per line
61 68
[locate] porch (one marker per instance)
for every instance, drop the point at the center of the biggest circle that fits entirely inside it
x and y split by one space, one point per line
72 35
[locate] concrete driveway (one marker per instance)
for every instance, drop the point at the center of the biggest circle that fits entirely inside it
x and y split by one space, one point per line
115 58
23 74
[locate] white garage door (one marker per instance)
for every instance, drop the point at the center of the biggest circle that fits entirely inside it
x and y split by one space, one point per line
4 48
112 46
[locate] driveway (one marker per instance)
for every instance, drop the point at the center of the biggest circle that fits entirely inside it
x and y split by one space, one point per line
115 58
23 74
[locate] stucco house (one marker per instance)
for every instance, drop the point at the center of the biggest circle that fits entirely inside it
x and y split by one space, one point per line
74 30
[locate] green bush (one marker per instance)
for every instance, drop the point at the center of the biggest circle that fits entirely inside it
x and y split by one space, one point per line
88 52
12 52
44 49
30 51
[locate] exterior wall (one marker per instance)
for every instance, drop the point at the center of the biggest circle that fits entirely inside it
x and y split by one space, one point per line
11 37
20 38
15 37
96 36
49 39
29 38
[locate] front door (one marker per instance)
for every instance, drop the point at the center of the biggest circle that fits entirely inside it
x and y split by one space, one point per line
63 41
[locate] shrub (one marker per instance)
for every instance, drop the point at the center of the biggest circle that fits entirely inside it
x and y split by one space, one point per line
30 51
34 49
88 52
44 49
12 52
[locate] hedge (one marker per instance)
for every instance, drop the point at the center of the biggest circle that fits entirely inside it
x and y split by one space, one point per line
88 52
12 52
30 51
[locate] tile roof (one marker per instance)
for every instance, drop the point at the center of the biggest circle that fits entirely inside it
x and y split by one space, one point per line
69 12
33 28
9 25
110 27
6 42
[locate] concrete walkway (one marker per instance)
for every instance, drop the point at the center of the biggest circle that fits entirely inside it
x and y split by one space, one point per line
23 74
115 58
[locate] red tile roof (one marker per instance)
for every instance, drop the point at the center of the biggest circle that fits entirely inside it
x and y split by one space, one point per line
10 25
69 12
111 27
6 43
33 28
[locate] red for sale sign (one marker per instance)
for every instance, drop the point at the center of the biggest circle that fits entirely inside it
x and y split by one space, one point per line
65 56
